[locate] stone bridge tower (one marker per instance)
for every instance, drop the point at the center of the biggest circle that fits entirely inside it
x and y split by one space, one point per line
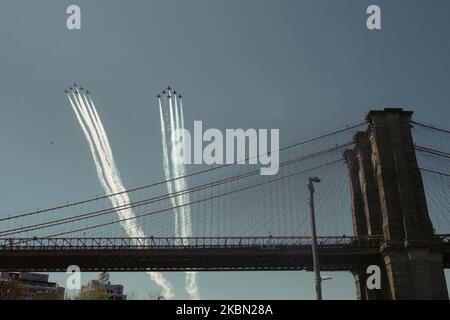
388 199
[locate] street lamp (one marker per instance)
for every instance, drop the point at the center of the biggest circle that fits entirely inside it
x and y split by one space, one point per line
317 278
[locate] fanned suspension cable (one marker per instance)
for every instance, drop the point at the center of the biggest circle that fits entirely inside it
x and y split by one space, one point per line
347 128
432 151
435 172
94 214
197 201
430 127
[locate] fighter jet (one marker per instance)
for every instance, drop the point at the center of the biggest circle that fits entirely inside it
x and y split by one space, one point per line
71 88
75 85
169 88
174 92
66 91
158 96
81 88
180 96
88 92
164 92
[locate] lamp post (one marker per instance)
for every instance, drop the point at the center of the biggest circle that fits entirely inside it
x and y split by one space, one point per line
317 278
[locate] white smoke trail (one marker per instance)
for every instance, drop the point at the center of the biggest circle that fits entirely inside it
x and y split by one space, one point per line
120 199
191 277
182 167
181 219
132 228
106 162
105 181
108 174
171 185
192 285
183 214
176 165
91 147
166 162
181 113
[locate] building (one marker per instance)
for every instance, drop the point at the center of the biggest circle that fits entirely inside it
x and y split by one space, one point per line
114 291
29 286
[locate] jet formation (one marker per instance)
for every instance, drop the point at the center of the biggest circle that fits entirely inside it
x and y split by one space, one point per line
76 89
169 93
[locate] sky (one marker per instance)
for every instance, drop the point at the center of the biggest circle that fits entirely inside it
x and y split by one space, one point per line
304 67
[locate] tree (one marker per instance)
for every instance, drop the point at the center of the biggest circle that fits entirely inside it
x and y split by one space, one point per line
10 291
45 296
94 294
153 296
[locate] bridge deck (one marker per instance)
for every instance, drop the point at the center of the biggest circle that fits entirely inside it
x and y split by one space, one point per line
189 254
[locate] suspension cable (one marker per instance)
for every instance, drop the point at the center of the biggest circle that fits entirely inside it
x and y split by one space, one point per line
67 205
430 127
433 151
435 172
115 209
196 201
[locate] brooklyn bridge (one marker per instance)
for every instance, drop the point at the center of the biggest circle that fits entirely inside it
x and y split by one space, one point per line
384 199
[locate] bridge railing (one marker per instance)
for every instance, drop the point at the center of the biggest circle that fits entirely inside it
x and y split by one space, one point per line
179 243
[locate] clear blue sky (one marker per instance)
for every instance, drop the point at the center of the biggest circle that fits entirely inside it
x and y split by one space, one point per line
302 66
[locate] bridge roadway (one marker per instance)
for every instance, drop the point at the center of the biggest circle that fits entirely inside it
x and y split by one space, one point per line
191 254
